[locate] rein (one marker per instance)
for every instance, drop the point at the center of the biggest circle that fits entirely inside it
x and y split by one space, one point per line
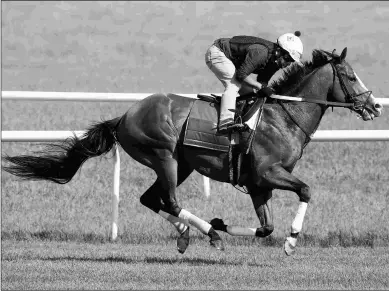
302 99
348 91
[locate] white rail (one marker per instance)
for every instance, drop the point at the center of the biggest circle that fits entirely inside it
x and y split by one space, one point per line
351 135
78 96
96 97
40 136
319 136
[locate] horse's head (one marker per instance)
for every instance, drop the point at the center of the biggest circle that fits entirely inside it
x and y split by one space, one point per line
348 88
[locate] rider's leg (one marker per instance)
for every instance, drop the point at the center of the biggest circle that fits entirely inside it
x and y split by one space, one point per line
228 103
224 70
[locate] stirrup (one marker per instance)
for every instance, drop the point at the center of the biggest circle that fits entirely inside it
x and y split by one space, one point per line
232 127
236 127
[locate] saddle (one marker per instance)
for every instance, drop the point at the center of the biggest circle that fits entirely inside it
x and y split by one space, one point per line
201 129
245 104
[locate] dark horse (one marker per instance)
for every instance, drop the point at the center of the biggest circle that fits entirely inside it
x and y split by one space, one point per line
151 132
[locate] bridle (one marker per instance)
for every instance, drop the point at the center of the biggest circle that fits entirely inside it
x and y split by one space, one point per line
351 97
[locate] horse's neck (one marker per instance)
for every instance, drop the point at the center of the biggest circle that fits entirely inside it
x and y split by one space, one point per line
308 115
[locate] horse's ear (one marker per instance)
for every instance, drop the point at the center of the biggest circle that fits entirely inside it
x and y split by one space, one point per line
343 54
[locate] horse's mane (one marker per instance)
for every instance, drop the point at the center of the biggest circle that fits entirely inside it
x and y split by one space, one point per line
293 75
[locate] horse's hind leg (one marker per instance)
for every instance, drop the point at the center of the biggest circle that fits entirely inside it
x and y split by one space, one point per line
152 199
166 170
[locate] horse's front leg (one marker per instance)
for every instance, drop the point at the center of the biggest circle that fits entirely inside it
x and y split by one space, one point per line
262 205
274 177
278 178
264 210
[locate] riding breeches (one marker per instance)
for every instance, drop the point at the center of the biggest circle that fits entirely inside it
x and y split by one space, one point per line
224 70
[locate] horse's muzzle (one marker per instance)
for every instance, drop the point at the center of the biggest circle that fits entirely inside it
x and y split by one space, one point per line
372 109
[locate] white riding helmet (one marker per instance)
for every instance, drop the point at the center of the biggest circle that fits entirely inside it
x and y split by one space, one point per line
292 44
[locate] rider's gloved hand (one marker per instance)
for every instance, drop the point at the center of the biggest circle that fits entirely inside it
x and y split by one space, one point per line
266 92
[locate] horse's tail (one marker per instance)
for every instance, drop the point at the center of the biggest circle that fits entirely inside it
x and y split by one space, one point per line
60 162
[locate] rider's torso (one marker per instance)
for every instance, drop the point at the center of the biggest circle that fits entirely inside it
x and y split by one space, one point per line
237 48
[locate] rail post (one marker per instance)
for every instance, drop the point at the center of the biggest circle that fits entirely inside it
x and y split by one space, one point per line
115 195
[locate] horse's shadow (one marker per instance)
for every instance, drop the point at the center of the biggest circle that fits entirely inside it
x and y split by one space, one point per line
154 260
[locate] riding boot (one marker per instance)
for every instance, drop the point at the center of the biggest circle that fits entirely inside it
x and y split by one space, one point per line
227 111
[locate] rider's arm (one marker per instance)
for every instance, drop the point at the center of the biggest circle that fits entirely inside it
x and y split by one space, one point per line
252 81
255 58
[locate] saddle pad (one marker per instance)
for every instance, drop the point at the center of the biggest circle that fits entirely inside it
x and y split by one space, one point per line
201 128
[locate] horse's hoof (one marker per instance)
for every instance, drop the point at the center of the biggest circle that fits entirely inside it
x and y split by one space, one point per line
290 246
183 241
217 224
217 244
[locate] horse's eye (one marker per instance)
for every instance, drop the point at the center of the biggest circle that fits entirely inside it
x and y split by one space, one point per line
353 79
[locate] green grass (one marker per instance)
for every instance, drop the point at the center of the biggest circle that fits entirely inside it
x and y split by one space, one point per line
159 47
43 265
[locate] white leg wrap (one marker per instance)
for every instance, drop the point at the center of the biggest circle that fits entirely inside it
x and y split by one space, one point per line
178 223
200 224
237 230
297 223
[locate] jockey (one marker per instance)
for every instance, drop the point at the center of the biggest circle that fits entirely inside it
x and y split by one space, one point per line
233 60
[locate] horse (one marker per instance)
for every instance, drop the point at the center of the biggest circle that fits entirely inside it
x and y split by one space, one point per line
151 132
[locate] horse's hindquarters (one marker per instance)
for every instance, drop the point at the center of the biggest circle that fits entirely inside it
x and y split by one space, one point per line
150 129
